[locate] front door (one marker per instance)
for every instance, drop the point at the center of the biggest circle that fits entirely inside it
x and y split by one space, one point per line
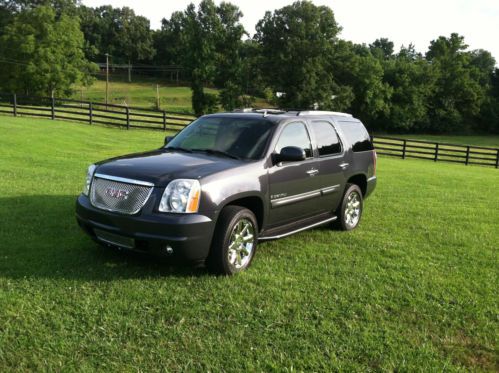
294 186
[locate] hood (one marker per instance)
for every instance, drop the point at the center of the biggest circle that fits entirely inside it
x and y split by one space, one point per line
160 166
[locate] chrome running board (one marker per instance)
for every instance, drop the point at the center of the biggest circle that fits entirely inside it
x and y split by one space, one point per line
278 236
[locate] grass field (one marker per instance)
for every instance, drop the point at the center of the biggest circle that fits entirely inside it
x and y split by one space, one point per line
141 94
413 289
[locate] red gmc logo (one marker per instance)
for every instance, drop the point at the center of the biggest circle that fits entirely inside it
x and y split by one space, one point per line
117 193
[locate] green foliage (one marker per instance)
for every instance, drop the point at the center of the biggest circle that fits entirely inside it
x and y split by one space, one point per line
413 83
382 48
458 94
44 53
360 76
295 42
118 32
207 42
295 51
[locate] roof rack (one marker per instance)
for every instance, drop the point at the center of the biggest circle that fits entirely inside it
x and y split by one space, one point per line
319 112
296 112
243 110
265 112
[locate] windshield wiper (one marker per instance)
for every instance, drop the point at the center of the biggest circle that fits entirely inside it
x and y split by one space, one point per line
216 152
178 148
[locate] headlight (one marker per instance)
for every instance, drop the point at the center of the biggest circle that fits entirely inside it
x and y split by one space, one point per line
181 195
88 181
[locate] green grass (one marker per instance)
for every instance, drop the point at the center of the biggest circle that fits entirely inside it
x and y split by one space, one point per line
140 94
414 288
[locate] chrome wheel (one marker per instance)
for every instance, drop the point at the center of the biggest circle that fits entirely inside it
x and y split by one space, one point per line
242 239
352 209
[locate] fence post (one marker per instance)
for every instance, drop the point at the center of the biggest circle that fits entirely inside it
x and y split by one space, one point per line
14 101
467 155
53 108
90 113
127 118
497 159
436 152
164 120
403 149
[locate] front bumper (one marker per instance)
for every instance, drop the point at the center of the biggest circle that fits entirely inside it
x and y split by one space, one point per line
189 235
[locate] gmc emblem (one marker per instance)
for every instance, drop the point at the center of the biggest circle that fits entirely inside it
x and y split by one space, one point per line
117 193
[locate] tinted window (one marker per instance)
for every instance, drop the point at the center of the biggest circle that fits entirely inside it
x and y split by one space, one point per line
357 135
295 134
327 140
241 137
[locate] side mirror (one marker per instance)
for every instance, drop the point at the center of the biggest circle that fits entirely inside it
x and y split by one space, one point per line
290 154
168 139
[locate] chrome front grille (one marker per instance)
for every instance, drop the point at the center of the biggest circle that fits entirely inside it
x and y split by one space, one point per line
117 194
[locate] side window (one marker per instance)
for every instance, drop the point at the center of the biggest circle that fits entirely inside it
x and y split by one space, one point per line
328 142
357 136
295 134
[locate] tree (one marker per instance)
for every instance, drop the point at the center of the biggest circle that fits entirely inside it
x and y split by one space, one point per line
296 41
117 31
229 73
44 54
167 41
458 95
413 82
206 41
360 78
488 76
382 48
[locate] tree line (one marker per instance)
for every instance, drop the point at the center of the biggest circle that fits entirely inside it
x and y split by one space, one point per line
296 59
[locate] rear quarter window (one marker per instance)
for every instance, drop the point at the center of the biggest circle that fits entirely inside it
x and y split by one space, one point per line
357 135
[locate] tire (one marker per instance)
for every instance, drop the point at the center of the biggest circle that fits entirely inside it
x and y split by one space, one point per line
350 210
232 252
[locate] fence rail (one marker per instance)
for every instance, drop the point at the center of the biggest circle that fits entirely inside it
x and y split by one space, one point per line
93 112
135 117
437 152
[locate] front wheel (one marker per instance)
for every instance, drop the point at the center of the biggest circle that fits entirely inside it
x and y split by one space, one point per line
235 241
350 210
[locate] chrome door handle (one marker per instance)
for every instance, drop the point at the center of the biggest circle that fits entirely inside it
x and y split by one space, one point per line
312 172
344 165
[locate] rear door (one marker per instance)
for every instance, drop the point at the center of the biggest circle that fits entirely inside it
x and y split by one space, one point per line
294 186
331 163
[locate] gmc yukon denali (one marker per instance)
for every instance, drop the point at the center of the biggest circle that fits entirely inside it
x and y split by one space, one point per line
229 181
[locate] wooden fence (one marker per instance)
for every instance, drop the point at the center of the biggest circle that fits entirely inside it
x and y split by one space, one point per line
93 112
134 117
433 151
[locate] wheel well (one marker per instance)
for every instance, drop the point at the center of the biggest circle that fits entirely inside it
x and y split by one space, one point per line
254 204
359 180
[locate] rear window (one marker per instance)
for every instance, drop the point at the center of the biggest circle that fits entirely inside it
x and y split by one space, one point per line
326 138
357 135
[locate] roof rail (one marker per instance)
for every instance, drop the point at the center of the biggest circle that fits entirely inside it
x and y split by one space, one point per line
319 112
265 112
243 110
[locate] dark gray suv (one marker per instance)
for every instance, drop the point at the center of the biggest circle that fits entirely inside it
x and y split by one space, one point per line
228 181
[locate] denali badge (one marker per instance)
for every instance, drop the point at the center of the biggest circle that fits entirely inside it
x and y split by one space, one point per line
117 193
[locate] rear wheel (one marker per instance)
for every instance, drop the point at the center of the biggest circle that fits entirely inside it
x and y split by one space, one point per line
235 241
350 210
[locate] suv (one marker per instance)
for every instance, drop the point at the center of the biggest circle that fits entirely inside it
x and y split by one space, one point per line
228 181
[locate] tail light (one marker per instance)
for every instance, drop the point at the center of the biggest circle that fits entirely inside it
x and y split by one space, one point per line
375 158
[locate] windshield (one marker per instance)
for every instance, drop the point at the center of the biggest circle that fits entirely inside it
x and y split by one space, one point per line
244 138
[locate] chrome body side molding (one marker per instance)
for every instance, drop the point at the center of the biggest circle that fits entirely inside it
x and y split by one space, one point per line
278 202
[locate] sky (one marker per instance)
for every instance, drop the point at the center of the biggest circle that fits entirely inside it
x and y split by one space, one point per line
363 21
